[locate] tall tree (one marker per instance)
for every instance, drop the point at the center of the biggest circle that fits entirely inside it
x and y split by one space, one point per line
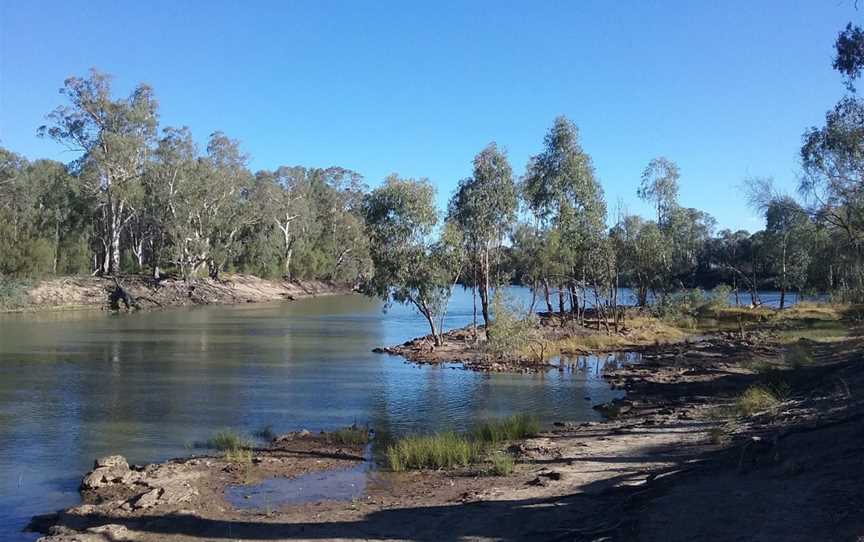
660 185
410 266
484 209
562 192
113 137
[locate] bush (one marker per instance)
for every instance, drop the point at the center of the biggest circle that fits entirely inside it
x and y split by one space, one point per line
684 307
720 297
509 333
515 427
756 399
13 293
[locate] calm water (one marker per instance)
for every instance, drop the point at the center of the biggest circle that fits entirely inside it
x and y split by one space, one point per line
76 386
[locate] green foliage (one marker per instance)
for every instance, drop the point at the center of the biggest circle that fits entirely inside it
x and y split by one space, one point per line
515 427
139 197
511 330
439 451
349 436
409 266
500 464
450 450
227 440
686 306
660 185
239 455
13 292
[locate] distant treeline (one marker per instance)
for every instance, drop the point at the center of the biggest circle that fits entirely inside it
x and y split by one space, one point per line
140 198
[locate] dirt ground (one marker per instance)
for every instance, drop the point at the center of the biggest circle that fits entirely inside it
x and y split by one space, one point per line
675 462
70 293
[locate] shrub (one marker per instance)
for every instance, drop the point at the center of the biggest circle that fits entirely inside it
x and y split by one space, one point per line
510 332
756 399
720 297
13 292
514 427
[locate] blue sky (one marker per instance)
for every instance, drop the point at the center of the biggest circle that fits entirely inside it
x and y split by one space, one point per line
726 89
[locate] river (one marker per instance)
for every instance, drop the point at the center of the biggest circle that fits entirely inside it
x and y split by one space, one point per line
78 385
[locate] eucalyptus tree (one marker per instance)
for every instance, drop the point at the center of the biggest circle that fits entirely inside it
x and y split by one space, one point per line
283 198
226 209
660 185
410 266
113 138
849 59
177 189
484 209
644 254
43 222
791 234
688 232
561 190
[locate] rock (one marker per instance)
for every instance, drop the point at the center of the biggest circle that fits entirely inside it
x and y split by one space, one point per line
111 461
103 533
147 500
113 470
176 492
614 408
540 482
42 523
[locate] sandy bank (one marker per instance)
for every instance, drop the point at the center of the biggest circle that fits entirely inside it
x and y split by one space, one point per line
71 293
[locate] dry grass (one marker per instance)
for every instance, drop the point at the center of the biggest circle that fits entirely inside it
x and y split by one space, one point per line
756 399
639 331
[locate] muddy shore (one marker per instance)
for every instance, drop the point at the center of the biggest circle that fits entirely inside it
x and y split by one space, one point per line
76 293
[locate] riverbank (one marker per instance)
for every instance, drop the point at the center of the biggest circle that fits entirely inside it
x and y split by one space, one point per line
693 452
550 337
144 293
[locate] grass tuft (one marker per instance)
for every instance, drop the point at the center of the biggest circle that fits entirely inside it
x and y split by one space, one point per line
227 440
439 451
500 464
240 455
450 450
514 427
756 399
349 436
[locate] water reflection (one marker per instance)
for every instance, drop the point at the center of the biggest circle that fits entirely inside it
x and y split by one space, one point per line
74 386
